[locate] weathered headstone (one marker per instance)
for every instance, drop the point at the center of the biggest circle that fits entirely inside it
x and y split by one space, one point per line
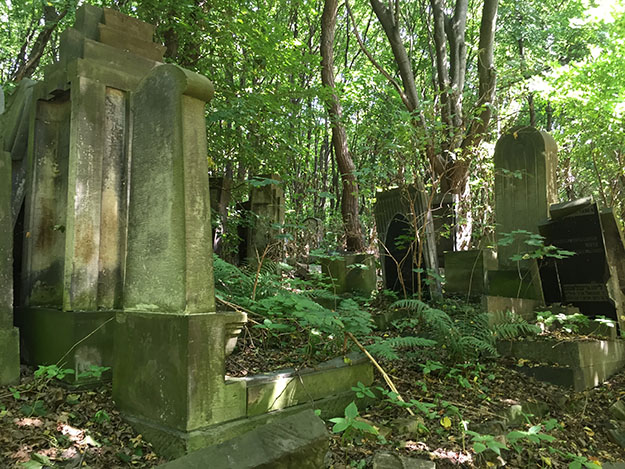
593 278
75 210
267 213
170 344
525 185
397 212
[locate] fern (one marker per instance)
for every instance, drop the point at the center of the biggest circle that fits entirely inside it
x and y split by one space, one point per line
462 329
511 326
387 348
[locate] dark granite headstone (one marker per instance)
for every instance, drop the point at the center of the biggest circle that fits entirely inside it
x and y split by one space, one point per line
584 277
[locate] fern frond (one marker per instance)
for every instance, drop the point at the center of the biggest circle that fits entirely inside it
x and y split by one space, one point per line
387 348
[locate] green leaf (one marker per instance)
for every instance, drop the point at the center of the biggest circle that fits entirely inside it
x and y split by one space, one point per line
351 411
340 426
479 447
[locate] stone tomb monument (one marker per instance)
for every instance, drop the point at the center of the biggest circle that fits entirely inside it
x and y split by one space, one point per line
594 278
116 258
75 211
170 344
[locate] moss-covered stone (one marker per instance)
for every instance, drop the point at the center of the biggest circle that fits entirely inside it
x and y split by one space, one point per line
169 369
73 339
351 273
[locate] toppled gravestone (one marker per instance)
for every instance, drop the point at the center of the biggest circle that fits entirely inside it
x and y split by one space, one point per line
296 442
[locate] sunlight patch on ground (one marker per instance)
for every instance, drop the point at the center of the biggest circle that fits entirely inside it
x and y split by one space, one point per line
28 422
456 457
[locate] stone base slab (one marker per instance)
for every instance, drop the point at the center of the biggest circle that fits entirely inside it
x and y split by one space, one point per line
297 441
172 444
580 364
9 356
75 339
286 388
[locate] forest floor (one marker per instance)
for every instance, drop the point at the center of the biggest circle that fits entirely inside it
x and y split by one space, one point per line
43 423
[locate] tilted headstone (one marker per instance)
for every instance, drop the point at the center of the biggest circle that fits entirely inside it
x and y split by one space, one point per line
593 278
169 372
75 208
525 185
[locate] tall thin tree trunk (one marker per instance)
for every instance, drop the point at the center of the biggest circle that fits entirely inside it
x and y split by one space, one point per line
349 197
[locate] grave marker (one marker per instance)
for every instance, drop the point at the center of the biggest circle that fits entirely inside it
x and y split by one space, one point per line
593 278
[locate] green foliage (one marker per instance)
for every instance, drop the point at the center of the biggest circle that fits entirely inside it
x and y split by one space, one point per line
52 371
351 427
511 326
535 243
461 329
288 307
569 322
361 391
388 348
94 371
101 416
483 443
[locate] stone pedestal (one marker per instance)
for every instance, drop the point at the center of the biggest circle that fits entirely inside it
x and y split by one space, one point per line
170 344
9 339
466 272
169 375
353 273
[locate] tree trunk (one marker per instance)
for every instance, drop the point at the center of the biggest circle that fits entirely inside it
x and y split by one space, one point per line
28 66
349 199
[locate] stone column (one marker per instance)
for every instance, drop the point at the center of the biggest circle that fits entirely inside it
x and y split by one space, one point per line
169 373
9 340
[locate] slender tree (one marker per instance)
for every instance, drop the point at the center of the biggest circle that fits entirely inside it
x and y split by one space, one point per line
345 163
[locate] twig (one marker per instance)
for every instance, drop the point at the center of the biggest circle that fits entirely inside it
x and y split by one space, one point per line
240 309
58 363
380 369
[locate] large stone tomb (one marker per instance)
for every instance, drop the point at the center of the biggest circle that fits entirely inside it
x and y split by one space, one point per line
74 213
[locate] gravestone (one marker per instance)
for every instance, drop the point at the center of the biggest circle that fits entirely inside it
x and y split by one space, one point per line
525 185
267 213
170 344
75 209
396 213
592 279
